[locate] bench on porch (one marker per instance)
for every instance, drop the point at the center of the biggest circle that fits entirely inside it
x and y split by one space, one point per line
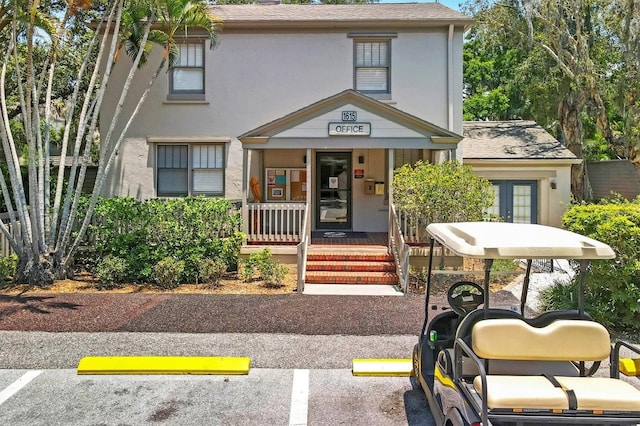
561 341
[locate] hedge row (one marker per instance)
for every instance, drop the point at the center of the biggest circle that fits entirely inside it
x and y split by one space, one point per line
129 238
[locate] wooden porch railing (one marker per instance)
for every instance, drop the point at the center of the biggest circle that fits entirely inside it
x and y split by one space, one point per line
413 230
302 250
275 222
399 248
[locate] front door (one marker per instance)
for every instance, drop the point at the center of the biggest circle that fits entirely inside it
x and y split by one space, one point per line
333 190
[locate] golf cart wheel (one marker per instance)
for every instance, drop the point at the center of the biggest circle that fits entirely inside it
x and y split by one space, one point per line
415 371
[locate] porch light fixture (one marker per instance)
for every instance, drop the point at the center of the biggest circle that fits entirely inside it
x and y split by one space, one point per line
553 184
304 159
361 159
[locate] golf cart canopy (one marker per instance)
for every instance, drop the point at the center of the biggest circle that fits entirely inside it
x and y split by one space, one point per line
497 240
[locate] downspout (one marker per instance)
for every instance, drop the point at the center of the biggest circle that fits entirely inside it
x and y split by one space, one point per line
450 86
450 78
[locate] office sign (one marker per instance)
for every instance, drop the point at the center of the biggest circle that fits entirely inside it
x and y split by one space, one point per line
349 129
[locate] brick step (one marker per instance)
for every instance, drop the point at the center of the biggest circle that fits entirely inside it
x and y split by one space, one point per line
333 277
350 266
337 256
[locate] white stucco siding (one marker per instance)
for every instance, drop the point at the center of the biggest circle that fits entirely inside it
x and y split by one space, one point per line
133 173
419 75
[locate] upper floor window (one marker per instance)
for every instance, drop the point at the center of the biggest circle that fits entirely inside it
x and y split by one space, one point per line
187 74
372 66
190 170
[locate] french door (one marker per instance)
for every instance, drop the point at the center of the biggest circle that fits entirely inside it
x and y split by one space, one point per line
515 201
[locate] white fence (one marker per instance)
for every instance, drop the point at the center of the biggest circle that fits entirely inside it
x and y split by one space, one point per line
274 222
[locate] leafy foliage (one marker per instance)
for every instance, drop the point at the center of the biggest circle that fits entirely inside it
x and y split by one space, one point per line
143 233
613 286
111 271
8 266
262 265
210 271
448 192
168 272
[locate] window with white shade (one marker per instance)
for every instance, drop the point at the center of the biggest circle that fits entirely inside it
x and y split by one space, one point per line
190 170
187 74
208 169
372 63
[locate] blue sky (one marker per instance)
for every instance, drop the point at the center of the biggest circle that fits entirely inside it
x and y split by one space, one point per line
453 4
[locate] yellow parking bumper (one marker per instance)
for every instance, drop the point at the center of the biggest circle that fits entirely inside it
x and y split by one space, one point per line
164 365
630 367
382 367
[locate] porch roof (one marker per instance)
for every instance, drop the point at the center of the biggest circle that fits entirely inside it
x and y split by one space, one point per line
388 127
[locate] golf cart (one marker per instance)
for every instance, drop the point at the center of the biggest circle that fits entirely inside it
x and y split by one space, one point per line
485 365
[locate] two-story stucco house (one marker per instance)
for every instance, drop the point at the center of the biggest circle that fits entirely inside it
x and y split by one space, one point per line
301 114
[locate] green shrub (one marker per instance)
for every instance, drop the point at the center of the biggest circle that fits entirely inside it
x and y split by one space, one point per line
145 232
263 266
8 267
211 271
613 286
167 272
559 296
111 271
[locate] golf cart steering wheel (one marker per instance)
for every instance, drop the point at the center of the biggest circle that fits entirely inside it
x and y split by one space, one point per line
464 297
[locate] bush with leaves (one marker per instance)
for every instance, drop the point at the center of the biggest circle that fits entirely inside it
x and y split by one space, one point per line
211 271
447 192
613 286
145 232
8 267
168 272
263 266
111 271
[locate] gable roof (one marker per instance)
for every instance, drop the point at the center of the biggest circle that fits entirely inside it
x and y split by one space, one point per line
510 140
620 176
350 97
376 15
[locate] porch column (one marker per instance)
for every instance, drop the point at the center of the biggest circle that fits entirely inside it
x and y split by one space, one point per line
390 160
309 194
245 183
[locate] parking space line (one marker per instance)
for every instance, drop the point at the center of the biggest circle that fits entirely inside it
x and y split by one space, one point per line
299 398
14 387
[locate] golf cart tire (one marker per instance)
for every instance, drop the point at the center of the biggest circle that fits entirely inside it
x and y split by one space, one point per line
415 371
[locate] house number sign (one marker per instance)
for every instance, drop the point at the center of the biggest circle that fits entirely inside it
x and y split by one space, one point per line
349 126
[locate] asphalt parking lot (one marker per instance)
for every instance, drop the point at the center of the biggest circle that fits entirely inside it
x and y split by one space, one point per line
294 380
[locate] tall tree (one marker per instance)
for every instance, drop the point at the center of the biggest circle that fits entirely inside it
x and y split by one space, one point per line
568 32
47 239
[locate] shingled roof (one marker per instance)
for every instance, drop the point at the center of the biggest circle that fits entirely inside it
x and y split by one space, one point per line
510 140
343 15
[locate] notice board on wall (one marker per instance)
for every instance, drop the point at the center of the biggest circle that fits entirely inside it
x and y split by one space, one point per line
286 184
298 187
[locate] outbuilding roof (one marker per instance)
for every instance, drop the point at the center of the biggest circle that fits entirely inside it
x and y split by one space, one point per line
510 140
323 15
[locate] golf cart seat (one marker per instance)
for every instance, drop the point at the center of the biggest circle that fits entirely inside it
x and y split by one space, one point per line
560 341
517 366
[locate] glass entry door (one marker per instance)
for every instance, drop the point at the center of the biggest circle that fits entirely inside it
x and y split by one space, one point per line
333 190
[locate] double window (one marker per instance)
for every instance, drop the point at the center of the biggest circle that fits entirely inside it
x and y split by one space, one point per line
372 63
187 74
190 170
